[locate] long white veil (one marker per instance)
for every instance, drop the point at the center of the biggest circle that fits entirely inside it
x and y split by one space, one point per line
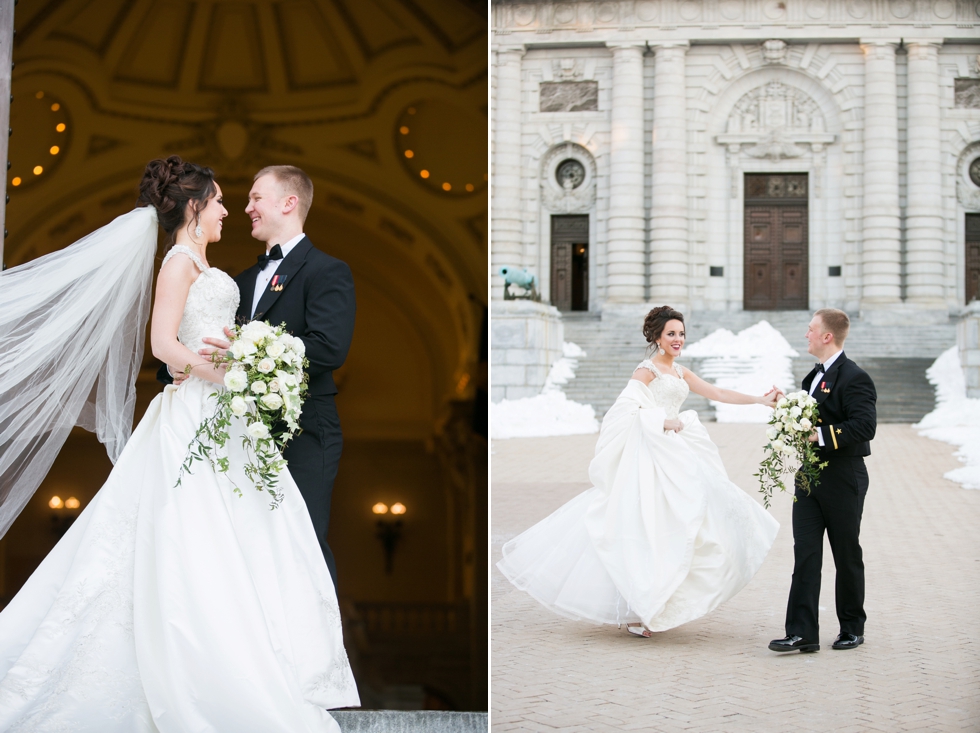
72 325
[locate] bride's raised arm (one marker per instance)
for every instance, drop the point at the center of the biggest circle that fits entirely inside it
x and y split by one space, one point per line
173 284
730 396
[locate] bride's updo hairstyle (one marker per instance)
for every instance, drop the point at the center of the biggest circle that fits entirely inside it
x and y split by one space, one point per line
653 324
171 186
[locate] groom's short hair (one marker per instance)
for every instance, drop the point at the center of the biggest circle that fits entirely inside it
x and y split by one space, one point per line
836 322
294 181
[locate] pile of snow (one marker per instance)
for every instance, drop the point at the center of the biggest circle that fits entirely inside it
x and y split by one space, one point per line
751 361
956 419
549 413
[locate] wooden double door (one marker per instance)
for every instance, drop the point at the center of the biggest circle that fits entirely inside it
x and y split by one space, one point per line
570 262
972 257
776 249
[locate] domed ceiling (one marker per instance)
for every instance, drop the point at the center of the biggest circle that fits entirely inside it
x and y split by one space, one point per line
382 102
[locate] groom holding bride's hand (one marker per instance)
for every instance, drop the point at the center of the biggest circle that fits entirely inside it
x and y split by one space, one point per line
846 425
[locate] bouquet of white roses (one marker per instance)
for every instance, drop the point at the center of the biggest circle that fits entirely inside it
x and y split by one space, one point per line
265 381
791 424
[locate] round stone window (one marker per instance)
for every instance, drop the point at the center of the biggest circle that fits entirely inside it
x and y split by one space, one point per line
571 174
975 172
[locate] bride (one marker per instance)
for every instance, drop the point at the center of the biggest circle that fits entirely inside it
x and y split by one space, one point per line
663 537
163 608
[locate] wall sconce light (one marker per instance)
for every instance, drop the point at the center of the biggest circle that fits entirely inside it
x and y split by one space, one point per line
389 531
65 512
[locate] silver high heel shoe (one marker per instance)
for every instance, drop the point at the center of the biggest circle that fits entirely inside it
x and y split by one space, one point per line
639 630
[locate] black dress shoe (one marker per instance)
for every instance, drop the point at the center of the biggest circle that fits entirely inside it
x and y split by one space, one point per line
847 641
794 644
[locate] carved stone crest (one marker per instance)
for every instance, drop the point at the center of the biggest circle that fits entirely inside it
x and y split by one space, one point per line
775 121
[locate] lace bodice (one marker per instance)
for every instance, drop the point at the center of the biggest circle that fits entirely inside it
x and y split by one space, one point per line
211 302
669 392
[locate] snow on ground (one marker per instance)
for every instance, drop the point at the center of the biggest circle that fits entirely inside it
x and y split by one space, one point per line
549 413
751 361
956 419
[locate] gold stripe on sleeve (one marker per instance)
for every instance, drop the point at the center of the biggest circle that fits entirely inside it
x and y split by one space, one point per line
834 437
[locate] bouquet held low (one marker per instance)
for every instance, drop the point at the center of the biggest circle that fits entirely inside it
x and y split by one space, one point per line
266 380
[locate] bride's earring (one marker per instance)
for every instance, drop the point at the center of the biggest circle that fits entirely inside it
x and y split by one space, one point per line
198 232
661 349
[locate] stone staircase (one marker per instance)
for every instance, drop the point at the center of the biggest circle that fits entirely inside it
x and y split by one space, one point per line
392 721
895 357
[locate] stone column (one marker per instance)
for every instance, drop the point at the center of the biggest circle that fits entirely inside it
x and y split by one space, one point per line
506 219
669 245
924 222
625 250
882 264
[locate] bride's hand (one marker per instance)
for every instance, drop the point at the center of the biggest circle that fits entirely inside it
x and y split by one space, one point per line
675 425
770 398
220 345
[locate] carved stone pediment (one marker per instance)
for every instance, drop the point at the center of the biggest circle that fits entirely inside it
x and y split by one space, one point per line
775 121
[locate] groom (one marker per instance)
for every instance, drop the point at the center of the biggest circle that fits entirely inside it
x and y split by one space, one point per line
846 425
313 294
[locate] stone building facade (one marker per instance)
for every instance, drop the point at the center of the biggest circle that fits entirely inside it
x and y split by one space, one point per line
725 155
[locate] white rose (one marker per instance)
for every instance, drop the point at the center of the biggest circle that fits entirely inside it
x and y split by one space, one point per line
255 331
782 402
258 386
798 427
806 424
266 365
788 450
272 401
236 380
777 445
274 386
258 430
275 349
796 411
287 340
298 346
238 406
771 433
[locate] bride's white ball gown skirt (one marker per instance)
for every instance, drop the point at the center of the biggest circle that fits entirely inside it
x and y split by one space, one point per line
178 608
662 538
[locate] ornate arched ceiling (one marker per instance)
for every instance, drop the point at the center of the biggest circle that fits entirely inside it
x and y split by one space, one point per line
382 102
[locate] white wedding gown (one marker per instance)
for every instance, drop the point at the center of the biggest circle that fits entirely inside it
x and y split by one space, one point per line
178 609
662 538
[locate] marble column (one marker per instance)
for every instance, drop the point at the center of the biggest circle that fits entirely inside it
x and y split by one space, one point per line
625 249
669 245
881 258
924 220
506 220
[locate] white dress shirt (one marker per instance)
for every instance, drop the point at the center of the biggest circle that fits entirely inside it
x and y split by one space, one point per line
816 380
266 273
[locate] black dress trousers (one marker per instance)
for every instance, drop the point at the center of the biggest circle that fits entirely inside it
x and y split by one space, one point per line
835 505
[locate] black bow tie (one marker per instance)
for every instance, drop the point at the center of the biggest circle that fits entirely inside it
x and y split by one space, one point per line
274 254
819 367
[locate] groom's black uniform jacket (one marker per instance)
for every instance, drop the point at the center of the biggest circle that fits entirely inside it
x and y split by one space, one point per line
316 303
846 421
846 396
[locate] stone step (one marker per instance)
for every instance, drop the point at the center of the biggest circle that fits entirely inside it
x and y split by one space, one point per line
409 721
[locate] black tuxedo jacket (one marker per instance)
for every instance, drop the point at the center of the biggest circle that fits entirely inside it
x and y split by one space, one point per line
848 419
316 303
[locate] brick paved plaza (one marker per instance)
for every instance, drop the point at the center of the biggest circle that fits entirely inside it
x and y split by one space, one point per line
918 670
